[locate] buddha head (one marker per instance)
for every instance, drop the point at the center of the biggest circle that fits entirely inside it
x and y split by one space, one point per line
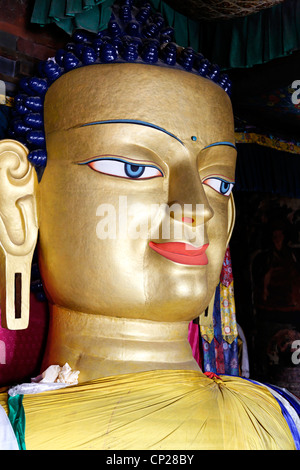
122 167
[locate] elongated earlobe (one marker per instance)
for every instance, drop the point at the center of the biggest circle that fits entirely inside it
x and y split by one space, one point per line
15 291
18 233
206 318
231 218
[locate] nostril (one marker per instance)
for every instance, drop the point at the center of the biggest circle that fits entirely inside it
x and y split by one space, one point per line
187 220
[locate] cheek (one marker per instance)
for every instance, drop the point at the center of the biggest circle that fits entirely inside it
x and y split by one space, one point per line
217 231
217 226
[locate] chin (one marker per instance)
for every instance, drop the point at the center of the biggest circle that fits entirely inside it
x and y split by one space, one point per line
176 308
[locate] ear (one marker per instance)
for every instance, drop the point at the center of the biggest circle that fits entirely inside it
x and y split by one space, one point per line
231 217
206 319
18 233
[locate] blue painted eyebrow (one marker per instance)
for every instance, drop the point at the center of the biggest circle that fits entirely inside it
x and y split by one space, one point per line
229 144
133 121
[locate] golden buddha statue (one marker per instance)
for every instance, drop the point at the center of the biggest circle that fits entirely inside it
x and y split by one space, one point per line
134 212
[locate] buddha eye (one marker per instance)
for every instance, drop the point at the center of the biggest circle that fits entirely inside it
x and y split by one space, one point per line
124 169
221 186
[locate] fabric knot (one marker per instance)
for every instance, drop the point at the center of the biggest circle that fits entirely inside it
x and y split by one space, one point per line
212 375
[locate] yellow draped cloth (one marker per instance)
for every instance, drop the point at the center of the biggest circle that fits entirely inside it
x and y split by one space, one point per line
167 410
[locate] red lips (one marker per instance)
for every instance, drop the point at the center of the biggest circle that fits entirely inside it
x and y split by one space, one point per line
181 253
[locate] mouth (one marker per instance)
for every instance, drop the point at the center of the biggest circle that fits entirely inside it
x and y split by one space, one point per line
181 253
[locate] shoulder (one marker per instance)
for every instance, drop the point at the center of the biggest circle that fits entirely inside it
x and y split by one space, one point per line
264 399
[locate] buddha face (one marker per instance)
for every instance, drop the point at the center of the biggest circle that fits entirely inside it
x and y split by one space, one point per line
134 205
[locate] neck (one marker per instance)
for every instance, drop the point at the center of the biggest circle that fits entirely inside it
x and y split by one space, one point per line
100 346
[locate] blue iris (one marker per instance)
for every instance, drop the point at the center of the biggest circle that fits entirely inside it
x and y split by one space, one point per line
134 171
225 186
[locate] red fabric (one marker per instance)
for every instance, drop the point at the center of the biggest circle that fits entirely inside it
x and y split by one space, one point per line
212 375
226 274
219 356
21 351
194 338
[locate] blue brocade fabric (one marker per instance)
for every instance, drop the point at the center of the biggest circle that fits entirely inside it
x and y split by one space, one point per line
220 356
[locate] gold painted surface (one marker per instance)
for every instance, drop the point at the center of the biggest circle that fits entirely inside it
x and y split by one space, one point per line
18 231
104 345
123 277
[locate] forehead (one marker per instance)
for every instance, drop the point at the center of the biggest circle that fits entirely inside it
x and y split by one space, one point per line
183 104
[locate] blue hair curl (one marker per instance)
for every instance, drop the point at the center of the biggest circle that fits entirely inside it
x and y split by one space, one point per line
134 34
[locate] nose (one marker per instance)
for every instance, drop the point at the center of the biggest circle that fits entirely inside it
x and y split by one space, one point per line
187 199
